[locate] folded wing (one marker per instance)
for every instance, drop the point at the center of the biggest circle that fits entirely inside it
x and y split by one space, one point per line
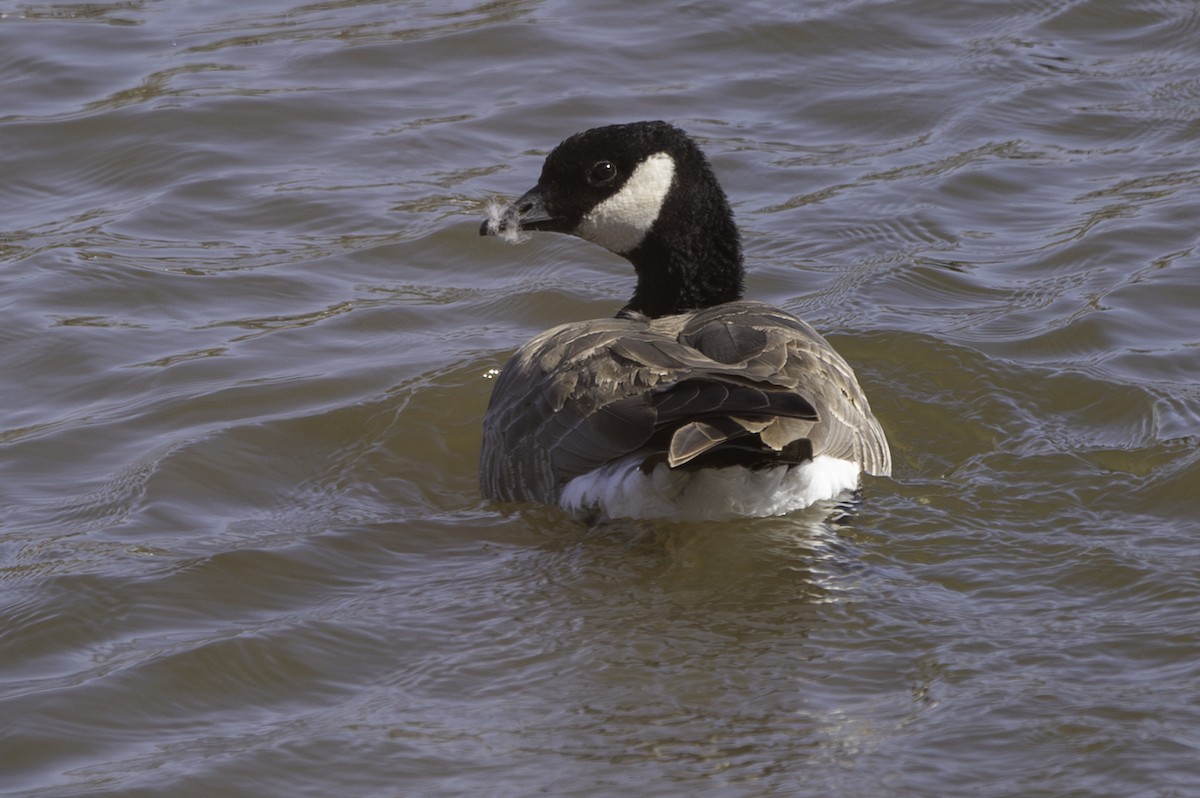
738 384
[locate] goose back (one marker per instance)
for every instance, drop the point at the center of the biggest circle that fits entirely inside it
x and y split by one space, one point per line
741 383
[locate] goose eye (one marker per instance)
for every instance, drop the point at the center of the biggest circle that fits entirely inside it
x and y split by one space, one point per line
601 173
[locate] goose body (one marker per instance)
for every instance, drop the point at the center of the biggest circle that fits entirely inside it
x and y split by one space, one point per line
691 403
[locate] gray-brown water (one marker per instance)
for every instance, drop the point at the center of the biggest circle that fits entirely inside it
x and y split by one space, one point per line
246 339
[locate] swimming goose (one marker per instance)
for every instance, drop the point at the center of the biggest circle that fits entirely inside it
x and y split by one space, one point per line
691 403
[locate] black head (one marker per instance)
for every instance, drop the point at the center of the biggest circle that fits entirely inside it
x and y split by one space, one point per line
644 191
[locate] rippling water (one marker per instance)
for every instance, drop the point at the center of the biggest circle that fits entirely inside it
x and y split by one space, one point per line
246 336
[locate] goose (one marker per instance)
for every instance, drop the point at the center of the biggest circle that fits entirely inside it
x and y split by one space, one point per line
692 403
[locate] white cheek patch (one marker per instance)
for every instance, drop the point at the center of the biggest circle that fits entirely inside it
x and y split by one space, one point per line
621 222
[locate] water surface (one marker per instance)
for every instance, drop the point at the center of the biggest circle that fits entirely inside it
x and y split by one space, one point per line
247 332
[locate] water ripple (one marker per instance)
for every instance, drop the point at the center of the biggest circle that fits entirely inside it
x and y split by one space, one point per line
248 333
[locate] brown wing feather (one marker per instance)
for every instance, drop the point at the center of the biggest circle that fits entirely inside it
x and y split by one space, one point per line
742 380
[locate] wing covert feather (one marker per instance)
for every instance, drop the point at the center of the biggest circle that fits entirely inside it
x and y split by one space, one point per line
582 395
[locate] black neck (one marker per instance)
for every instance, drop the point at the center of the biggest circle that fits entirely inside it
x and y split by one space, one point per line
697 267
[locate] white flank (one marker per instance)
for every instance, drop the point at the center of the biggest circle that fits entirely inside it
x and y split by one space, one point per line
621 222
623 490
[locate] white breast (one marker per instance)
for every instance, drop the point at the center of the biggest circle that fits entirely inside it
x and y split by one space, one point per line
623 490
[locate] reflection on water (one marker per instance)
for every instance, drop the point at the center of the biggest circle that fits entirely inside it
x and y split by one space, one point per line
249 332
